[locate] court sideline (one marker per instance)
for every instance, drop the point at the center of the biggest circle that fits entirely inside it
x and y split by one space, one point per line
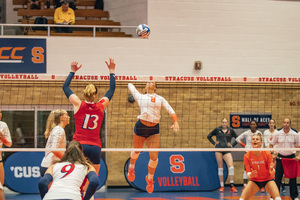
133 194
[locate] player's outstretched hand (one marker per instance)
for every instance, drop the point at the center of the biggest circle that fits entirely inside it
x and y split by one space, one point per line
253 174
75 67
111 65
297 158
175 127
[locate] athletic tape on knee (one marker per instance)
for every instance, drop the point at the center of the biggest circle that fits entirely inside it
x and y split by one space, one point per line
220 171
1 187
245 175
134 155
277 198
231 170
153 163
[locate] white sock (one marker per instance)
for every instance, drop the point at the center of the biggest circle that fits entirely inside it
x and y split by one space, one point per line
131 166
222 184
150 177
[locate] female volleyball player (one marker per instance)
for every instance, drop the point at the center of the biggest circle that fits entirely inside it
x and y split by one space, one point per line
147 128
247 136
89 115
68 176
268 136
55 133
260 170
223 135
5 139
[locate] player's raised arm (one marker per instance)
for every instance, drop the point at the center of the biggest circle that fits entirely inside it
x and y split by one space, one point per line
112 83
73 98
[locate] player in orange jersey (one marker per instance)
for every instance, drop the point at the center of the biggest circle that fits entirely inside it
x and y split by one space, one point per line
260 170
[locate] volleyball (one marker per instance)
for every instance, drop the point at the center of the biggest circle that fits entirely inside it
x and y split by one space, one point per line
143 31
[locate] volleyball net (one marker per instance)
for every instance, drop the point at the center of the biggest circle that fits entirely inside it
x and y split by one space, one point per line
199 102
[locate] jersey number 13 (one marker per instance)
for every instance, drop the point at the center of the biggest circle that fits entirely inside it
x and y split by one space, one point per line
93 118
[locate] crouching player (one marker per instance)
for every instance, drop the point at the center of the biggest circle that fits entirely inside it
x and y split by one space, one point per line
260 170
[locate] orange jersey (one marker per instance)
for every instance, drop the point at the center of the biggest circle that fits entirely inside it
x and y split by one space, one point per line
261 164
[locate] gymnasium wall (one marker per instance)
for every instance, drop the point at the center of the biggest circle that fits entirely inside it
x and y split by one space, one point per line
232 38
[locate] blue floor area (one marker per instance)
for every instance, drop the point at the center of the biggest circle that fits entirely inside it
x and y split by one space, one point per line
133 194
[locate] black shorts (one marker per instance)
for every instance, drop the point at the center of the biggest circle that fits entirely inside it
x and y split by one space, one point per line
224 152
93 152
145 131
261 184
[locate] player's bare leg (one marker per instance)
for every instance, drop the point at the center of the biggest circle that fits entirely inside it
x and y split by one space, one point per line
138 142
229 162
152 142
250 190
219 158
272 189
1 173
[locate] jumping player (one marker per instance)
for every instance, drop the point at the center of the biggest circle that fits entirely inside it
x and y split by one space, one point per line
223 135
260 170
55 133
5 139
68 176
88 115
147 129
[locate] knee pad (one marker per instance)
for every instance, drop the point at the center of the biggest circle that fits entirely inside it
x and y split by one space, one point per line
245 175
277 198
220 171
153 163
231 171
134 155
241 199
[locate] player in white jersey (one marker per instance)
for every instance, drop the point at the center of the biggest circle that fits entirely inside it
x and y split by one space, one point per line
58 119
69 176
269 133
147 128
268 136
5 139
247 136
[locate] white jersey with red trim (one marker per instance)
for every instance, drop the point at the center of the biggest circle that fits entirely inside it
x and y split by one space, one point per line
6 133
150 105
57 139
247 135
68 180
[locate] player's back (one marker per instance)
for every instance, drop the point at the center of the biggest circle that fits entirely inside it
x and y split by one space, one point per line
68 180
88 120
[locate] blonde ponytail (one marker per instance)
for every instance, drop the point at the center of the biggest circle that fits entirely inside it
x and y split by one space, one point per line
89 92
53 120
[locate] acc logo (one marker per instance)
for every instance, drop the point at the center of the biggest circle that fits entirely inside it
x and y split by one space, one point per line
26 171
15 54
